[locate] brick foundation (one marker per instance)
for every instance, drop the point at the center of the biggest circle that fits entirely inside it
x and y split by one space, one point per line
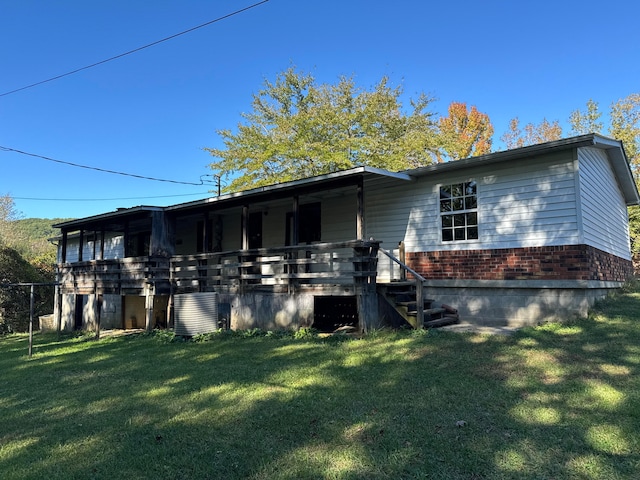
567 262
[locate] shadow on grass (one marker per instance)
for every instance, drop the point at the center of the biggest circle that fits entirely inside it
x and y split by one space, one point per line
558 401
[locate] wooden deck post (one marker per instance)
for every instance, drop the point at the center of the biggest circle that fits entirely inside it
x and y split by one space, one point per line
148 306
360 212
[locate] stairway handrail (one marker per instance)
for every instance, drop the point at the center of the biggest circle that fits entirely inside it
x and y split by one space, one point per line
419 280
402 265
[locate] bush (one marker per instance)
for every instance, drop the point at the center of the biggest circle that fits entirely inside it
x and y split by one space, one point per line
15 300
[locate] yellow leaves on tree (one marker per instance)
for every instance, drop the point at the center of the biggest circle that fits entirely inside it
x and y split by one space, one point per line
464 133
531 134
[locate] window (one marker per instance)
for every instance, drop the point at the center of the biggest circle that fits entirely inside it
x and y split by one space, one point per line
459 212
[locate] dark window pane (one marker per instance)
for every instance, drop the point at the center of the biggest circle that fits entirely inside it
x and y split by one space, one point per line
472 233
458 204
458 220
470 202
445 191
456 190
459 233
472 218
447 235
445 205
447 221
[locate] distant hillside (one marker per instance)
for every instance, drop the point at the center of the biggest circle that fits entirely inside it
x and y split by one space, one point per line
38 228
30 237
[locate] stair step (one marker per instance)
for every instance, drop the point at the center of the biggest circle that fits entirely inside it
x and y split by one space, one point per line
441 322
409 303
428 312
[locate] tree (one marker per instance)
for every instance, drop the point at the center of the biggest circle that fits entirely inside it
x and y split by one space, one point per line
15 300
625 126
531 134
583 122
8 215
299 129
465 133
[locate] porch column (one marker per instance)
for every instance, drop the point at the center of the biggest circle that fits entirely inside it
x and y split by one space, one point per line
360 211
80 242
65 236
245 227
148 306
205 232
101 244
296 221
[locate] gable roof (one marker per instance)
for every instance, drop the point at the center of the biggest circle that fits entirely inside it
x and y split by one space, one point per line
614 149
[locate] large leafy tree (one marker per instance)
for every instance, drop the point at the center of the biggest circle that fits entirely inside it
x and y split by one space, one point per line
464 132
299 128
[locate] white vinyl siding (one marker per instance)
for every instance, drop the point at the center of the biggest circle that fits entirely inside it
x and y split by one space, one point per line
527 204
604 213
396 207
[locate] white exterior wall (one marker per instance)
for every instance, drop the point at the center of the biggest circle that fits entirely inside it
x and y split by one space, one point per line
604 212
528 205
523 205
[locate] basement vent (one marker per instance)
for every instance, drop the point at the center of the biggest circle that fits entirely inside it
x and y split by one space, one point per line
195 313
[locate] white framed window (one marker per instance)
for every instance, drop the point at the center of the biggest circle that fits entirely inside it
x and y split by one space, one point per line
459 211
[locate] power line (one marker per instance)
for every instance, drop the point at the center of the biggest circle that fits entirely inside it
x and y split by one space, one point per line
134 50
106 199
103 170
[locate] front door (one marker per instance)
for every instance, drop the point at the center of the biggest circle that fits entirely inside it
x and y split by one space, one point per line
254 228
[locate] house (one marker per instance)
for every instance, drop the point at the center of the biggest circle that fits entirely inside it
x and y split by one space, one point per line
511 238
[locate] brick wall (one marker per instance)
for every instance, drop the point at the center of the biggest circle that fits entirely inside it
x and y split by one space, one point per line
568 262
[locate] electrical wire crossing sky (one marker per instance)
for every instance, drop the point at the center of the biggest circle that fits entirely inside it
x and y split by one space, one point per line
106 105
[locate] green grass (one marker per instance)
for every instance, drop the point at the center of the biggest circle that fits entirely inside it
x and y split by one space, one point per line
553 402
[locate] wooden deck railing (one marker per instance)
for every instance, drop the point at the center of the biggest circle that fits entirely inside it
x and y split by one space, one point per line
352 263
278 268
112 276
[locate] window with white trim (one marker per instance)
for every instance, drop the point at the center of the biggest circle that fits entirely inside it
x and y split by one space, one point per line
459 211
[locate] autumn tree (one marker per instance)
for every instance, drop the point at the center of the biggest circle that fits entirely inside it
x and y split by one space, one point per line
298 128
464 133
531 134
587 121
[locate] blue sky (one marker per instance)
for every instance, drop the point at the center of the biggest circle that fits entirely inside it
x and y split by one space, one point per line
152 113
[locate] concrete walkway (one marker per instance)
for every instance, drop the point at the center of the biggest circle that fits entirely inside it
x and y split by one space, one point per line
481 329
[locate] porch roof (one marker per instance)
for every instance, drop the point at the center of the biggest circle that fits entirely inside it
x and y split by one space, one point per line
325 182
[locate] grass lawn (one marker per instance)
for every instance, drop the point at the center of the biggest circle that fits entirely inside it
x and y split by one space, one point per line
553 402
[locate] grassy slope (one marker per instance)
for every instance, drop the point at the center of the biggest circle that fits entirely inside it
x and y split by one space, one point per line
551 402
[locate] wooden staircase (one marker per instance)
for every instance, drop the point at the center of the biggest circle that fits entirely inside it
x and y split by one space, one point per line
401 298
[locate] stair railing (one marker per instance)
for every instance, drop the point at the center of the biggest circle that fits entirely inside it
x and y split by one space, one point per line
419 281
